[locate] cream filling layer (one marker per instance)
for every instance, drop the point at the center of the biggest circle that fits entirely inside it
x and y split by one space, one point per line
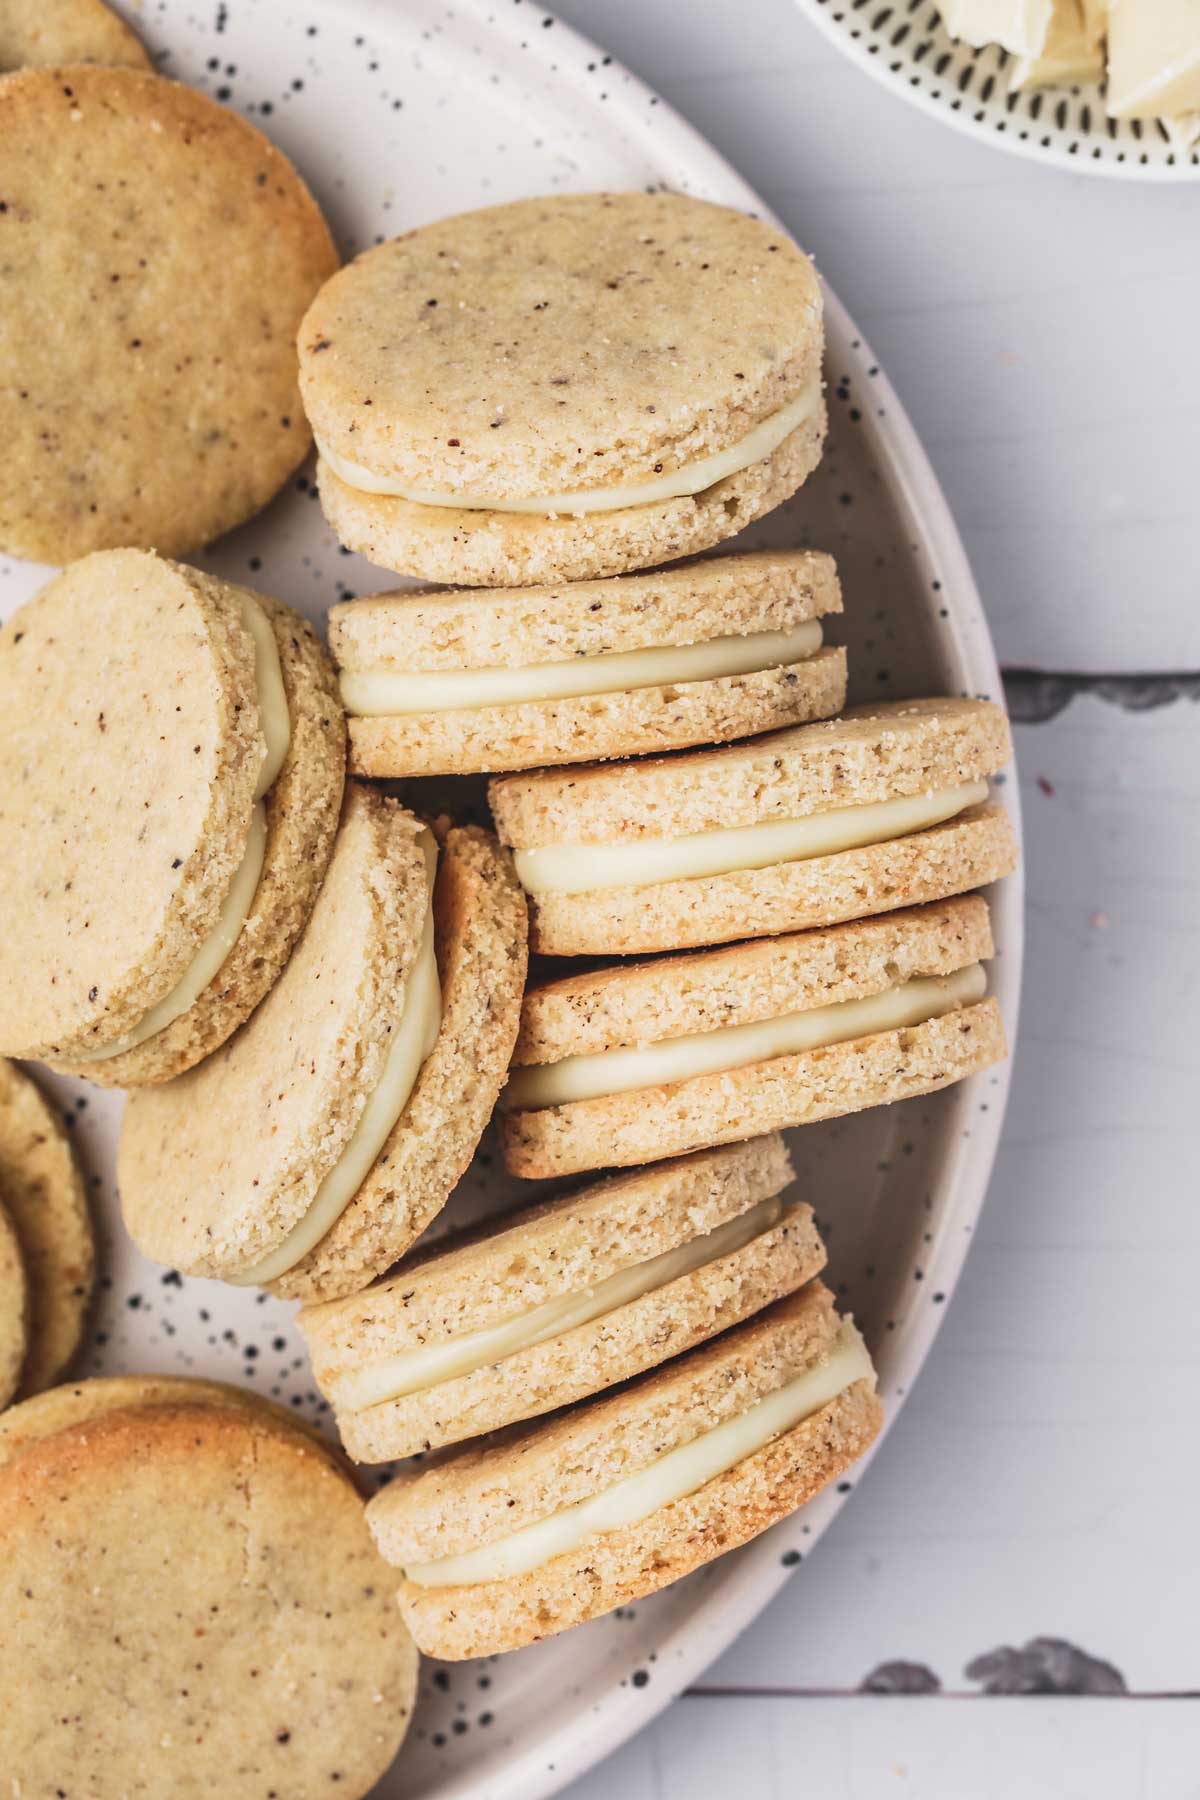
606 1072
235 908
591 868
412 1041
668 1479
693 478
375 693
412 1371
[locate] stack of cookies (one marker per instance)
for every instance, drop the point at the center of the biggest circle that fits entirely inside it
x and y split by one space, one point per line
317 991
550 405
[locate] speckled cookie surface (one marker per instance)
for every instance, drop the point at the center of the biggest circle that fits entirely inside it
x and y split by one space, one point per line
127 777
302 812
14 1307
215 1202
270 1656
674 997
697 602
562 1249
619 1131
77 1403
977 847
487 739
176 251
482 1493
869 754
217 1167
482 951
511 628
553 345
486 549
36 35
127 770
43 1191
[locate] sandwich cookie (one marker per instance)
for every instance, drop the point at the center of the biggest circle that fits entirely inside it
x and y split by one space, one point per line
511 1540
170 777
207 1576
43 1193
549 1305
34 35
884 807
76 1404
645 1060
514 678
14 1307
564 387
308 1154
175 250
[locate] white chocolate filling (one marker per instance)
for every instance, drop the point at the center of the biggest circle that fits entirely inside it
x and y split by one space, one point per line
272 696
597 1075
374 693
668 1479
693 478
591 868
207 963
412 1041
412 1371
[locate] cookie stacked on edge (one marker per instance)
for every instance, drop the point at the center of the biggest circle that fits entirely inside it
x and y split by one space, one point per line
544 404
317 992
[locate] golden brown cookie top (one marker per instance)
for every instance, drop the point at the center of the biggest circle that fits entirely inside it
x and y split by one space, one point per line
131 748
212 1580
560 343
869 754
36 35
175 249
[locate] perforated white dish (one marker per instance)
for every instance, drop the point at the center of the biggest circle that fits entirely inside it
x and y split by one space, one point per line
902 43
399 113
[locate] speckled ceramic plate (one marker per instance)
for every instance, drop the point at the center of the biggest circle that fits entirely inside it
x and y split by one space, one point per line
398 113
903 45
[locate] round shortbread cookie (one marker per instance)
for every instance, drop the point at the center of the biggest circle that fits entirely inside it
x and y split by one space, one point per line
207 1189
176 251
34 35
60 1408
713 602
210 1580
482 1493
14 1307
128 770
552 1255
550 347
869 756
43 1190
653 1002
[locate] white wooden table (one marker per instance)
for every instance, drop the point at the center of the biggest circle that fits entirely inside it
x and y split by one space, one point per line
1044 333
